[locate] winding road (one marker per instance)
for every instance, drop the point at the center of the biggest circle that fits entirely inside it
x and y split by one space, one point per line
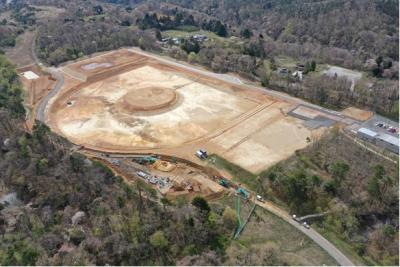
315 236
311 233
40 110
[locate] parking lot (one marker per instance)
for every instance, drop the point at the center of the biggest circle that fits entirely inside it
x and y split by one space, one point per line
381 125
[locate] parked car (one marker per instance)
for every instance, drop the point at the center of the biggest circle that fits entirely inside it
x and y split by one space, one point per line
305 224
260 198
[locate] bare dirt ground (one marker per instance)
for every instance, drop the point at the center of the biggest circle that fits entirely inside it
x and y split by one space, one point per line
36 88
125 102
358 114
108 113
268 137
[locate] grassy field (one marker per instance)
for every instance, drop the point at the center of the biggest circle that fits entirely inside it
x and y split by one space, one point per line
286 62
269 240
189 32
213 39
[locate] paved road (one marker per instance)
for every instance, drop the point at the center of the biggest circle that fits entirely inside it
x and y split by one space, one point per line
311 233
40 110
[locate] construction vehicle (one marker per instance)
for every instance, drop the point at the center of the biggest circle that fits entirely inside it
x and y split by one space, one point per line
201 153
224 182
242 192
260 198
146 160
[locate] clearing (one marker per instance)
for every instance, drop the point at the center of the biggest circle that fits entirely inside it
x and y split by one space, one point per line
128 102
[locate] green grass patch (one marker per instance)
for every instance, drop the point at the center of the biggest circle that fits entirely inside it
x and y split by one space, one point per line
286 62
93 17
238 173
188 28
186 34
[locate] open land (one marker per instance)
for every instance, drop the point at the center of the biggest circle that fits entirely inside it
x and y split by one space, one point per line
126 102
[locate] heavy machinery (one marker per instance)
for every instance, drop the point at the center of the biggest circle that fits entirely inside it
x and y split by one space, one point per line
242 192
224 182
146 160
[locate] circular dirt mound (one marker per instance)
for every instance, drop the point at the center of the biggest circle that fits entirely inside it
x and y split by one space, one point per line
146 99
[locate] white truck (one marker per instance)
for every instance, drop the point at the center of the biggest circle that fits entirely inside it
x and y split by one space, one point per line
201 154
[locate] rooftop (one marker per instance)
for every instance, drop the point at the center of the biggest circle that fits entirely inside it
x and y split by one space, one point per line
367 132
30 75
389 139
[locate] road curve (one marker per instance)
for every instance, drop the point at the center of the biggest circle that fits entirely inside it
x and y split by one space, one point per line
40 110
335 253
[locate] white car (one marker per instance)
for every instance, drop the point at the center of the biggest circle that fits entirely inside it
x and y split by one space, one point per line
305 224
260 198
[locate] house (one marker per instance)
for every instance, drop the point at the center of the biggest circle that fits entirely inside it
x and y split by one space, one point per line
176 40
298 74
300 66
200 37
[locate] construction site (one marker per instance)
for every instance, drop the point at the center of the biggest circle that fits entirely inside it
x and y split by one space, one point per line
171 177
126 102
35 82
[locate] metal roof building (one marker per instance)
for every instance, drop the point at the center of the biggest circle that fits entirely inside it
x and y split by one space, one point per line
389 142
367 133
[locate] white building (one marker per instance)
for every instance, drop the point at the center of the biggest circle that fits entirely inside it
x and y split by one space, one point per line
383 140
388 142
367 134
